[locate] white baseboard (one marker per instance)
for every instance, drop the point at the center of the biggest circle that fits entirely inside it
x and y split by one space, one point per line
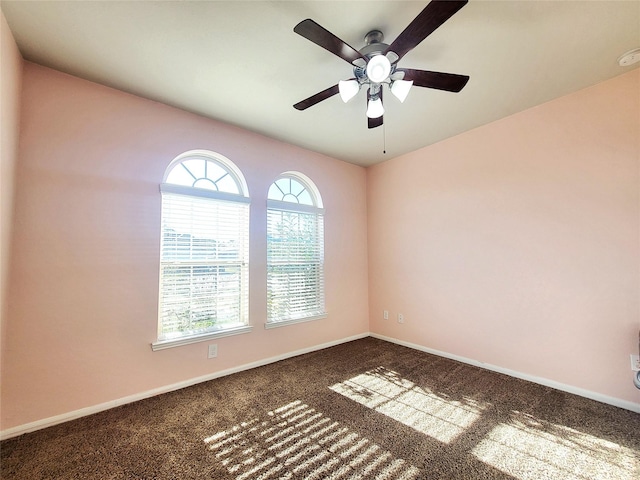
83 412
616 402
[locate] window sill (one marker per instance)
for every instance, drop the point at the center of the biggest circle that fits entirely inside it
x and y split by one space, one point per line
284 323
177 342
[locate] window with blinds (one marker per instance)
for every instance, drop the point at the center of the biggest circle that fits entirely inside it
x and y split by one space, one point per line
295 251
204 251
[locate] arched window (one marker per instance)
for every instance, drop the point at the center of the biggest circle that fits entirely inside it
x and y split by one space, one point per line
295 251
204 252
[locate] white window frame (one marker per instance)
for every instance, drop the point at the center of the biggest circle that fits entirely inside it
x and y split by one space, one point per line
312 206
234 196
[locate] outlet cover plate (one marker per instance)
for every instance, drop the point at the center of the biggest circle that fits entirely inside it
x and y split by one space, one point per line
213 350
635 363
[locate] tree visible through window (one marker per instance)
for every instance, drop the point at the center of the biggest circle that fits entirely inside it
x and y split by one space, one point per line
295 251
204 250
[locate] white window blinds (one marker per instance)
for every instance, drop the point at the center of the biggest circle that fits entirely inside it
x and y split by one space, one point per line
204 250
295 256
204 265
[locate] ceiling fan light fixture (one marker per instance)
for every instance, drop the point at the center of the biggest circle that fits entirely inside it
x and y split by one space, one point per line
378 69
348 89
400 89
375 108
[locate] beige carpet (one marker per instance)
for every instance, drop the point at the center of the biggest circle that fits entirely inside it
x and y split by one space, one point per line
365 409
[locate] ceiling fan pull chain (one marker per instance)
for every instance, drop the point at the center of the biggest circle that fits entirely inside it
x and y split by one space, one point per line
384 140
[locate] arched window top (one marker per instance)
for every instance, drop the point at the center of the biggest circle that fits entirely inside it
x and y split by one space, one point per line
205 170
296 188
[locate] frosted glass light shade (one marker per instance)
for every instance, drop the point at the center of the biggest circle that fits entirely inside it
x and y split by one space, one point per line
348 89
400 88
378 68
375 108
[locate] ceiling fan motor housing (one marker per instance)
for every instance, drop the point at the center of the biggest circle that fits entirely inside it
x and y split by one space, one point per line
373 44
373 47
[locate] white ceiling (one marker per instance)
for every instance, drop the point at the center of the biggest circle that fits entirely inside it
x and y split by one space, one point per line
240 62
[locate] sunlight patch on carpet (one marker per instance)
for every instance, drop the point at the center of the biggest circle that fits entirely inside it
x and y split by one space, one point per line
296 441
385 391
532 449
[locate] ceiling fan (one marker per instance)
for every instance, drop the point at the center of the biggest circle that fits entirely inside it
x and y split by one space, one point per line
376 64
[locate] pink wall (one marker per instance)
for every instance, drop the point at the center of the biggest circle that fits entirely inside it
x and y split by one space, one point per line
10 86
517 243
84 294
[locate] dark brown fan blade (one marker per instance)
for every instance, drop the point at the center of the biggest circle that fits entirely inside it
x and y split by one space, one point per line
449 82
317 98
374 122
434 14
327 40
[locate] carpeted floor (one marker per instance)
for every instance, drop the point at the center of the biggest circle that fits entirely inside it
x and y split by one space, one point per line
364 409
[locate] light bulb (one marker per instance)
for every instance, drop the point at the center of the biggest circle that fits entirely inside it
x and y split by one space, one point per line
378 68
400 88
348 89
375 108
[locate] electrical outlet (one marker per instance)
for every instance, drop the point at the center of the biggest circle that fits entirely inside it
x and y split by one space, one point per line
635 363
385 314
213 350
400 318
